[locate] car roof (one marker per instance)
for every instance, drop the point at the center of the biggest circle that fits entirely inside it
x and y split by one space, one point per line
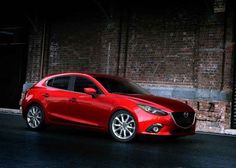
83 73
104 76
89 75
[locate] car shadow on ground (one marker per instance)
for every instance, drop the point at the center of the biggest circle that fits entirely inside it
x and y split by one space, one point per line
81 134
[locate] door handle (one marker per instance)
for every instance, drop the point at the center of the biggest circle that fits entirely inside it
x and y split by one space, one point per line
45 95
72 99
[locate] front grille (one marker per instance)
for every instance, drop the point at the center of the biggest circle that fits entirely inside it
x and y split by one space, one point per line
183 119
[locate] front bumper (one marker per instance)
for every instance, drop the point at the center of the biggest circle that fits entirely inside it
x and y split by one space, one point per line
164 126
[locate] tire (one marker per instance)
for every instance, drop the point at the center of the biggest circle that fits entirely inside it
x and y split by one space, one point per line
35 117
122 126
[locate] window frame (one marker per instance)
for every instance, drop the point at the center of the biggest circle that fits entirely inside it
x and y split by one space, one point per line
71 84
53 78
73 79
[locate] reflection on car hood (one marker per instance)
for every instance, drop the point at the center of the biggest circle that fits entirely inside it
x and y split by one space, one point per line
171 104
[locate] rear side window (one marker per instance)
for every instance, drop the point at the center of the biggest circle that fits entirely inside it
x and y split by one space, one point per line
81 83
59 82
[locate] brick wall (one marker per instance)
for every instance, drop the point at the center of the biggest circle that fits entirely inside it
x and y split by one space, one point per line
34 54
211 116
75 45
183 45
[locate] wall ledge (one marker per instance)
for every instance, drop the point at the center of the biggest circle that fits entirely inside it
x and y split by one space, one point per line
189 93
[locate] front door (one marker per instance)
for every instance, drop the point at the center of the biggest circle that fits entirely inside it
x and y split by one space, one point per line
84 109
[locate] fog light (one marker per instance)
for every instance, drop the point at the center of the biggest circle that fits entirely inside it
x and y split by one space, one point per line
155 128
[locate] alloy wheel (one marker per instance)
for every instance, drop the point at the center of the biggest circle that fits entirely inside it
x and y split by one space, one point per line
34 117
123 126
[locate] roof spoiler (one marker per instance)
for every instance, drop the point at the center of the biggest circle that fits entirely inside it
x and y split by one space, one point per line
27 86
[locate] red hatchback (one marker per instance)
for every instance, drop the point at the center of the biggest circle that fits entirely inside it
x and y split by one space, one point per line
107 103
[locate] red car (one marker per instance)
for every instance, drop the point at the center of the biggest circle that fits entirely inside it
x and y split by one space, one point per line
107 103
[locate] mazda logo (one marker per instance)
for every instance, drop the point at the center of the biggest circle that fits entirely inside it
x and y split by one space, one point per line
185 114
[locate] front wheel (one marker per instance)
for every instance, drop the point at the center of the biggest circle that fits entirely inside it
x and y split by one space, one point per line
122 126
35 117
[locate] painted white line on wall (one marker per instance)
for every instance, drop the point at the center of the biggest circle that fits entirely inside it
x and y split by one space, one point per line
108 58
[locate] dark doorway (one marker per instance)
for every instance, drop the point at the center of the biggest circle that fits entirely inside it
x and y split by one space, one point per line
13 57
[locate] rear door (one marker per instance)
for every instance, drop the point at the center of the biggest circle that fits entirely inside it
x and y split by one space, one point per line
57 97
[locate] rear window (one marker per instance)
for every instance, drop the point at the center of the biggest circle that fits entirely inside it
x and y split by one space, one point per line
59 82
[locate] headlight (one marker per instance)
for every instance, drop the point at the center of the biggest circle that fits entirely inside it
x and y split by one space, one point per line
152 110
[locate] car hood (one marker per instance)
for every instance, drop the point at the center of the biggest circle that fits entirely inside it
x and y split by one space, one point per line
170 104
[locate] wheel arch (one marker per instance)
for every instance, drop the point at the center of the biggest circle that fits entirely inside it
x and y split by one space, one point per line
24 110
123 109
118 136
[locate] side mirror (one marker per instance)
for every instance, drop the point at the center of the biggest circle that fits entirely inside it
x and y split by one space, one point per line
91 91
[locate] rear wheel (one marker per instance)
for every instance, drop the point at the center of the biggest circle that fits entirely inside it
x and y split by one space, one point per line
35 117
122 126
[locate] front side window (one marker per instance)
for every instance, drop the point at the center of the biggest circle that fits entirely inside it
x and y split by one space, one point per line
81 83
61 82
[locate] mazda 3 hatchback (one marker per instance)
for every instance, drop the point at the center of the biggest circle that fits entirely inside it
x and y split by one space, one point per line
106 103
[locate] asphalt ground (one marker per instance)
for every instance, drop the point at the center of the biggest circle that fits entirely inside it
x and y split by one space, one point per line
72 148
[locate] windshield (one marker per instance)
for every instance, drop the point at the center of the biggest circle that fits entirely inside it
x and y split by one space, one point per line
121 86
